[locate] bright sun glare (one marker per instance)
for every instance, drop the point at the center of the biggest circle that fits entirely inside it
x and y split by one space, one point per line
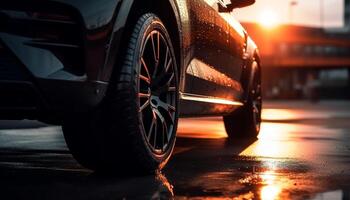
268 19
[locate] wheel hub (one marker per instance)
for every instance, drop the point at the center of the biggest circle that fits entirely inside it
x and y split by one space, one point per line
154 102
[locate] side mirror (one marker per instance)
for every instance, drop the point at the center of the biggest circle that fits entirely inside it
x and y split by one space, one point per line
229 5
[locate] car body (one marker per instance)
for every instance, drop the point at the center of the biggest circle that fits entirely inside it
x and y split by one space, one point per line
58 56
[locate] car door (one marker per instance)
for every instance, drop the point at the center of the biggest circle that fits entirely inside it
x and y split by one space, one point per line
218 48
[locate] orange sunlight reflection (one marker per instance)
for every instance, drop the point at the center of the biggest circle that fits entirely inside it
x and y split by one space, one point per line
269 192
269 143
208 127
213 127
272 183
278 114
268 19
278 140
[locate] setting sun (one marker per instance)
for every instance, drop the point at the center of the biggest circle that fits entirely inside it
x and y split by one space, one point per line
268 19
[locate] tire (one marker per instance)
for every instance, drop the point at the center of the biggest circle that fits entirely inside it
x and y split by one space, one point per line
245 121
135 127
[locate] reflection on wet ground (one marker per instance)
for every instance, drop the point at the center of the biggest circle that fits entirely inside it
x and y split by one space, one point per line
303 154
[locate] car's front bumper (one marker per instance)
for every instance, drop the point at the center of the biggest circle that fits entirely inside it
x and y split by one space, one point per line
52 55
22 95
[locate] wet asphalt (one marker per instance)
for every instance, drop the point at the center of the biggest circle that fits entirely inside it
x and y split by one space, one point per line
303 152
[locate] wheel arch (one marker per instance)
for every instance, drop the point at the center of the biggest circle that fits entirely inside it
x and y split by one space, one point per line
131 11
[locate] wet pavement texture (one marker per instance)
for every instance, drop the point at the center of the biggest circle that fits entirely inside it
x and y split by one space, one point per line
303 152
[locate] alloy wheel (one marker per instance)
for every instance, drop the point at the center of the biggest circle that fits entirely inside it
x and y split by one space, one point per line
256 99
157 92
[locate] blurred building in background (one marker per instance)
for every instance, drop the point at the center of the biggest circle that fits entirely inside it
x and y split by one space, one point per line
304 62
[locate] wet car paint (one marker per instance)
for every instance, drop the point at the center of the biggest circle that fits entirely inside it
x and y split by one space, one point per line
72 48
303 156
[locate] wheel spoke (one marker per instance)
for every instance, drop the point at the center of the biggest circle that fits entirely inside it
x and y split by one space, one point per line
144 95
166 106
155 134
158 45
150 130
167 82
167 65
163 73
147 103
170 79
145 67
169 109
154 49
144 78
159 115
255 109
168 62
166 56
164 124
153 124
164 135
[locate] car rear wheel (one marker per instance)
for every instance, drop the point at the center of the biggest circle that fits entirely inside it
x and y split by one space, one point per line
245 121
135 127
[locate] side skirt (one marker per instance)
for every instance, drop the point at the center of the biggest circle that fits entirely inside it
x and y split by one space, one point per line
199 105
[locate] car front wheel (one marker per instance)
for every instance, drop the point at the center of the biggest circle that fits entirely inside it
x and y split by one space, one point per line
135 127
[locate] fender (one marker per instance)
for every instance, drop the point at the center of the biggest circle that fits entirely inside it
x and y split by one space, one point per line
120 21
115 42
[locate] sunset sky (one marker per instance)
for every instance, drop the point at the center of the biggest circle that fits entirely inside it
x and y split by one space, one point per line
306 12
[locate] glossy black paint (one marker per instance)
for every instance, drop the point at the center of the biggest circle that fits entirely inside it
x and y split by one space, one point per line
219 46
69 50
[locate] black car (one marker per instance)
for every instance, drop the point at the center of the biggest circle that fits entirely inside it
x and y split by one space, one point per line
117 74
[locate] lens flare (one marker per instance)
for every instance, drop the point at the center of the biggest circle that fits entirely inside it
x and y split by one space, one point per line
268 19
